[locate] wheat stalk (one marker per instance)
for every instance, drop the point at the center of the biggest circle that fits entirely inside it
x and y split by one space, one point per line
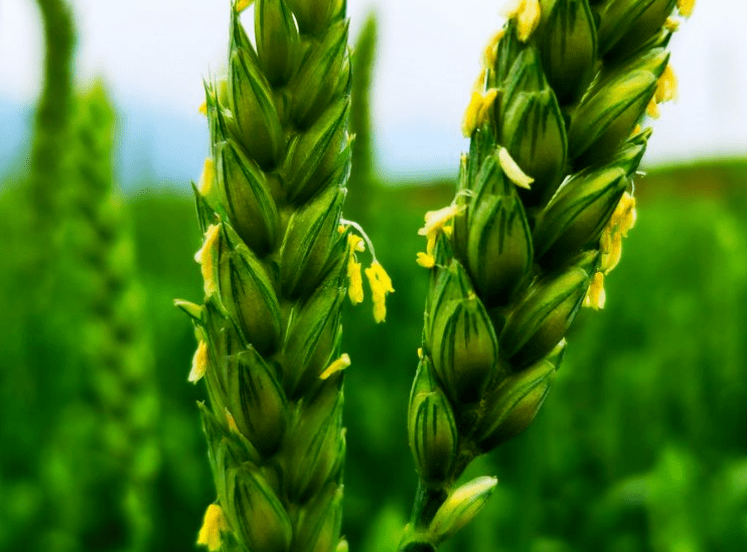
543 199
275 262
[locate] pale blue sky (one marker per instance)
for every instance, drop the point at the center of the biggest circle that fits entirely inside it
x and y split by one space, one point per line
156 52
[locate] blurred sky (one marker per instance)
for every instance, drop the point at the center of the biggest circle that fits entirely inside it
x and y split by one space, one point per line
156 52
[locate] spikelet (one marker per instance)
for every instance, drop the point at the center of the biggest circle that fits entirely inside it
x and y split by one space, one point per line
543 201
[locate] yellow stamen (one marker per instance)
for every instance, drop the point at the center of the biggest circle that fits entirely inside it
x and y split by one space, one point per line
337 366
435 221
527 14
595 296
652 109
205 256
428 259
478 110
199 363
420 352
491 50
355 289
611 252
203 108
512 170
666 86
213 525
672 24
241 5
625 214
207 179
636 130
425 260
381 285
685 7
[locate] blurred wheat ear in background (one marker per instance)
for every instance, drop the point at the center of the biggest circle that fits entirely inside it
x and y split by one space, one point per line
275 261
543 199
101 463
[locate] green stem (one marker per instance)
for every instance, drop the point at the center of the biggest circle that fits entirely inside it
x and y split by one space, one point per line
427 502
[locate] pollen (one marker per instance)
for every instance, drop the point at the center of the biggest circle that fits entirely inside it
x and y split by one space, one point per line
381 286
527 15
203 108
205 257
241 5
213 524
199 363
337 366
595 296
512 169
685 7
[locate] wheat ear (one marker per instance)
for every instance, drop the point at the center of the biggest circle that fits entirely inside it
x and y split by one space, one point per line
111 426
275 261
543 199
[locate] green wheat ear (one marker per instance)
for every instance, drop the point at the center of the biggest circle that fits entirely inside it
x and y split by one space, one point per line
275 261
544 197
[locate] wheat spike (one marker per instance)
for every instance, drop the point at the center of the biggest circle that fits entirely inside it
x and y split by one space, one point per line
275 262
543 199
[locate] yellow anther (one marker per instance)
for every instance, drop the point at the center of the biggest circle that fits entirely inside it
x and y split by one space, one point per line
491 50
381 286
435 221
512 170
672 24
207 178
213 524
685 7
595 296
527 14
355 289
337 366
205 256
425 260
420 352
611 249
478 110
666 86
199 363
241 5
203 108
636 130
652 109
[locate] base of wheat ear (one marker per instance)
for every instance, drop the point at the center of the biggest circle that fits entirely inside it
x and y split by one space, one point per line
276 261
543 200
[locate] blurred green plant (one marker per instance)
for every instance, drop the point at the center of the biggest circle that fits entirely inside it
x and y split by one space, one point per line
100 479
362 180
